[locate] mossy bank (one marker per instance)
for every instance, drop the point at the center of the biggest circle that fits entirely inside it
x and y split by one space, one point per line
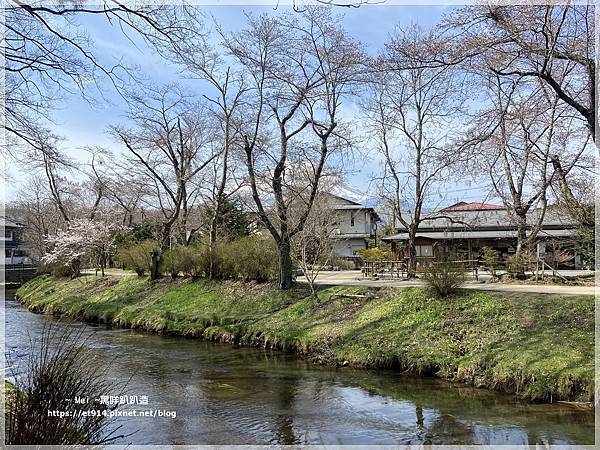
540 347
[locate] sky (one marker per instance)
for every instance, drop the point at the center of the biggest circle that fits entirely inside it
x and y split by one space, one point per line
84 123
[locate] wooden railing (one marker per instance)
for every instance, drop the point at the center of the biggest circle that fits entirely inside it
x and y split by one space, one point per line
19 273
471 265
399 268
396 269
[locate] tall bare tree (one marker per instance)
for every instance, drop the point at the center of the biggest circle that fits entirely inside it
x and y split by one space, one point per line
301 69
554 43
168 144
313 246
224 89
517 154
412 111
48 56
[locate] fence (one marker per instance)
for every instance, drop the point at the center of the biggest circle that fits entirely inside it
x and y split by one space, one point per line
383 268
399 268
19 273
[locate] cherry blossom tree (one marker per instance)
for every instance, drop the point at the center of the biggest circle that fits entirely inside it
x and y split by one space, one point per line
83 240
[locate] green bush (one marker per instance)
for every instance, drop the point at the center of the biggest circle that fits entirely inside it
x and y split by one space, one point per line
490 259
247 258
136 256
374 254
191 260
344 264
518 263
443 277
56 269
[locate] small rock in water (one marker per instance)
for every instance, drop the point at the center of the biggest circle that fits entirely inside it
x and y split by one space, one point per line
345 364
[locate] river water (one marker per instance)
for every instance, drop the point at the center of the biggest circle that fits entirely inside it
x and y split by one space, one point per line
226 395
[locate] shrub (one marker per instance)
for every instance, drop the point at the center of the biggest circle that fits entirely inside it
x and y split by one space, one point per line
191 260
374 254
247 258
56 269
345 264
490 259
61 368
137 256
443 277
518 263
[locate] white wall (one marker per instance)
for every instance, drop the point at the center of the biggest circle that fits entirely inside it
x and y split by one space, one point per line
348 247
362 222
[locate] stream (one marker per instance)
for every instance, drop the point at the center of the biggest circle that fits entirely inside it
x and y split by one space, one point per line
218 394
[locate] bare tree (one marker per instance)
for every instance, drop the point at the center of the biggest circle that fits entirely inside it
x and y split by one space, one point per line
167 144
554 43
49 56
126 193
524 125
35 207
301 68
313 245
576 198
412 111
580 208
519 157
203 62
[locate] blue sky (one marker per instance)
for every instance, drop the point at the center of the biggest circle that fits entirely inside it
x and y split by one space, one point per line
84 123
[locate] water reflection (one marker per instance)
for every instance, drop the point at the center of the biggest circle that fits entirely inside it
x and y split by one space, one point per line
223 395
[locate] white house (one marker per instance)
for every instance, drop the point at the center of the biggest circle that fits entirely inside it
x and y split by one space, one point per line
14 253
354 225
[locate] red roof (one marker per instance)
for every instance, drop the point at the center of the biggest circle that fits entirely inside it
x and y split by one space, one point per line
473 206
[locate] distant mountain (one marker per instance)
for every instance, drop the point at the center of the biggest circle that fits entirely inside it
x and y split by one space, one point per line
351 193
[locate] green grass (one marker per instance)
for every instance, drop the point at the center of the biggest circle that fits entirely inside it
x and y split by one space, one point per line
540 347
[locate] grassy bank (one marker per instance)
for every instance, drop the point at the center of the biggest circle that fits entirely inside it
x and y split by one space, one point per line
540 347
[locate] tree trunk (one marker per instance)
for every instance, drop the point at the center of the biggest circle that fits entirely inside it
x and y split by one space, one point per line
284 251
75 268
157 255
521 240
212 247
412 253
155 263
212 243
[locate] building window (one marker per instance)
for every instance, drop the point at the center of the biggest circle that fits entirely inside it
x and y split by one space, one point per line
351 218
8 234
424 250
7 253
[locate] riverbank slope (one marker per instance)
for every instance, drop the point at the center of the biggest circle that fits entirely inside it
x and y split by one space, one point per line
540 347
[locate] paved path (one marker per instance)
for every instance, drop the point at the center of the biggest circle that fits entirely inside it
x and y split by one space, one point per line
355 278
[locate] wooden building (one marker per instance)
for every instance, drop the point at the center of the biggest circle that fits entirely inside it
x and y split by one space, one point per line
464 228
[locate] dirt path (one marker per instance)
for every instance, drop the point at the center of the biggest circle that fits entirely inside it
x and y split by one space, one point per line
114 273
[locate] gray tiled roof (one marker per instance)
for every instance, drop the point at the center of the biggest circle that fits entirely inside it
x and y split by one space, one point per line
482 224
498 234
461 220
8 223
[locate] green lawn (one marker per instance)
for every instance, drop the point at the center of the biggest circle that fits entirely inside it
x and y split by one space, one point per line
538 346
